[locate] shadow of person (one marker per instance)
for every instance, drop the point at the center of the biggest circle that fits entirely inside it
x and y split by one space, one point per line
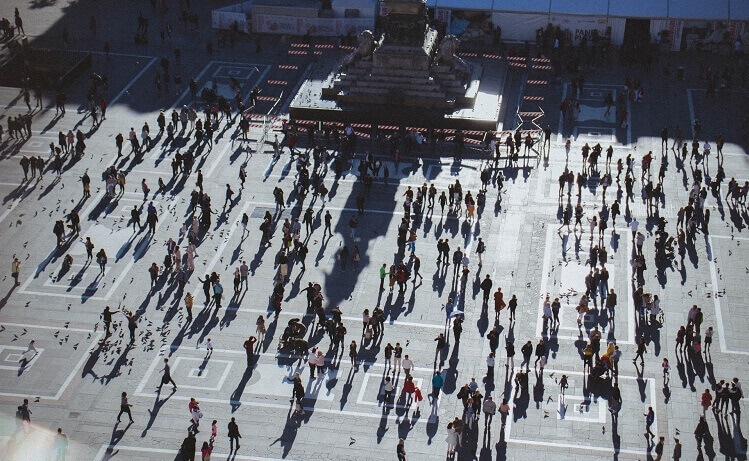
5 299
117 435
154 412
236 396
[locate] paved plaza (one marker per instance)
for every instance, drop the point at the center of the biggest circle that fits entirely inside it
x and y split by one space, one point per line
75 373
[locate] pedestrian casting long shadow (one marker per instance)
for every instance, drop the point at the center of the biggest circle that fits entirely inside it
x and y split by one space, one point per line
235 401
287 438
154 412
347 387
116 437
451 372
88 367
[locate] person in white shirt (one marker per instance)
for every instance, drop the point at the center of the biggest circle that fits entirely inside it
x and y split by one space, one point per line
407 365
389 388
634 225
708 339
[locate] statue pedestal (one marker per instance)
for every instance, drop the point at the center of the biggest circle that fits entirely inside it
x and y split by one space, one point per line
399 82
406 57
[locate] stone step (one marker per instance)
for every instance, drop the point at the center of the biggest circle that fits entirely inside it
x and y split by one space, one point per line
415 99
413 92
388 72
435 89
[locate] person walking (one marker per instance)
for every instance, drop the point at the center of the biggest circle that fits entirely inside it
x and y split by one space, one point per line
328 222
527 351
701 431
166 376
400 450
408 365
437 383
649 420
706 400
25 411
234 435
540 352
101 258
486 287
124 407
641 350
489 408
15 269
661 440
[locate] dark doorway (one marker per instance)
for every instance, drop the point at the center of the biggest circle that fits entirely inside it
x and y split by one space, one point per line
637 32
636 39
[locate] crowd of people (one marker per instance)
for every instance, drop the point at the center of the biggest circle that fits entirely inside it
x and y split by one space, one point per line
327 150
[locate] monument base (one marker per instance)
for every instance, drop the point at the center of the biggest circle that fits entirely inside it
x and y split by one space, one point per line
482 111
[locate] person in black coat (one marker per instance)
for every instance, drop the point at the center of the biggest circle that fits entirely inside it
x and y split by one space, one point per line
234 435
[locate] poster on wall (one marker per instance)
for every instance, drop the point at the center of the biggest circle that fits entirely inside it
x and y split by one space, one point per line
580 26
736 29
223 20
272 24
442 15
325 27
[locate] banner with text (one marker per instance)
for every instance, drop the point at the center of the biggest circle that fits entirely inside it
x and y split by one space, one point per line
327 27
580 26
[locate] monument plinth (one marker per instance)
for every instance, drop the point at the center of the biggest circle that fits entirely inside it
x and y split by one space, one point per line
392 78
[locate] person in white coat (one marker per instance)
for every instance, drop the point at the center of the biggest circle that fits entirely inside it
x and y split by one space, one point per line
452 439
